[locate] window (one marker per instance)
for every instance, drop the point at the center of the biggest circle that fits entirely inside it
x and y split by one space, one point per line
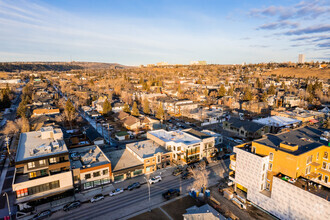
268 186
96 174
308 170
88 185
178 148
75 178
309 159
105 172
158 158
270 166
43 172
263 177
264 167
317 156
320 176
53 160
325 156
326 179
174 148
262 186
324 165
153 160
169 148
42 162
271 156
31 165
87 176
32 175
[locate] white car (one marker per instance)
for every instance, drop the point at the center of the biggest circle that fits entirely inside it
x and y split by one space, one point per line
116 192
155 179
97 197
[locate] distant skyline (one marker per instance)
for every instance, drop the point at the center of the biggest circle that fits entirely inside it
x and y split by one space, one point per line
137 32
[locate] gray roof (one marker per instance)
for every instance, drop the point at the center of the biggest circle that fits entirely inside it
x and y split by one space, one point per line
307 138
122 159
89 156
205 209
145 149
247 125
197 134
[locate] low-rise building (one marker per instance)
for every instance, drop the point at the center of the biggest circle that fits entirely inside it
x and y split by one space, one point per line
151 154
90 167
286 174
42 167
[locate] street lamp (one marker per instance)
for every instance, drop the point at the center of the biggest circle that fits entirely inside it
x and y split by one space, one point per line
149 193
7 204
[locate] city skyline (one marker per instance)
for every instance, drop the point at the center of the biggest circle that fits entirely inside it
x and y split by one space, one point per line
141 32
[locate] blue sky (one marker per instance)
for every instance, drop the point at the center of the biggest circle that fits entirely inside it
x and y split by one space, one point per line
134 32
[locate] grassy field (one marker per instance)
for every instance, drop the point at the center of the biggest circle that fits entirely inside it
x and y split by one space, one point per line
301 73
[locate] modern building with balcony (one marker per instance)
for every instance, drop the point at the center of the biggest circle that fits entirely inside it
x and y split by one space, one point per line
187 146
286 174
42 167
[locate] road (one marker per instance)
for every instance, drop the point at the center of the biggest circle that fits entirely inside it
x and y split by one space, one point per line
123 205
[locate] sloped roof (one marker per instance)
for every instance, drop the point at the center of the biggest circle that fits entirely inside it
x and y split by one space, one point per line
247 125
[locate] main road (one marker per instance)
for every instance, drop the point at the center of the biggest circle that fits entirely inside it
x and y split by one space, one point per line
123 205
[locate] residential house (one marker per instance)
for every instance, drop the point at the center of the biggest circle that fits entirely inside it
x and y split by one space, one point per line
94 137
204 212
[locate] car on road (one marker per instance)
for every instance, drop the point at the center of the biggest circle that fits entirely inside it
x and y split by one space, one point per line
155 179
171 193
133 186
72 205
42 215
116 192
186 175
97 197
238 141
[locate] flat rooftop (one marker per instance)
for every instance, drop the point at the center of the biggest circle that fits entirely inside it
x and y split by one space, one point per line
123 159
307 138
86 157
32 146
145 149
175 136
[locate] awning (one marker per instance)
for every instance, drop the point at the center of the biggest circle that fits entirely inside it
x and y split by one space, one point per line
313 121
312 175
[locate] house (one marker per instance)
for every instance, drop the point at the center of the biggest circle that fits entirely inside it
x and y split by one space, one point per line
277 123
119 116
90 167
117 107
245 129
292 101
98 104
122 135
45 111
124 165
94 136
151 154
205 212
131 123
217 137
42 168
148 123
285 174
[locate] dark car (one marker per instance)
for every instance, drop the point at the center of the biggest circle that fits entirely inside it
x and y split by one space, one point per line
186 175
171 193
72 205
42 215
225 157
133 186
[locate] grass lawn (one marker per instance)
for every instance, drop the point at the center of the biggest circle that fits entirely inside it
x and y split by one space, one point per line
178 207
154 214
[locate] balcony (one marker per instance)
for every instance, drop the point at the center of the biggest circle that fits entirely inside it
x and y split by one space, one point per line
232 165
232 175
233 157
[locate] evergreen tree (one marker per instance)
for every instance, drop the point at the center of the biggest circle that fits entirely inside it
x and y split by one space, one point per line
247 95
106 107
145 105
222 90
126 108
271 90
230 91
160 112
135 110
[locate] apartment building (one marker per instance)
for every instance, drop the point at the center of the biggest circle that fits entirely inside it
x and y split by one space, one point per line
186 146
286 174
90 167
151 154
42 167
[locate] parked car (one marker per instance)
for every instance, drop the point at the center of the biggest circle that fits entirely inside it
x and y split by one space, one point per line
238 141
155 179
97 197
225 157
133 186
186 175
171 193
72 205
116 192
42 215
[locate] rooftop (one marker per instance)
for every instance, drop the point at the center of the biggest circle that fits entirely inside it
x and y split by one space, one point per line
198 134
86 157
145 149
46 142
307 138
277 121
175 136
122 159
247 125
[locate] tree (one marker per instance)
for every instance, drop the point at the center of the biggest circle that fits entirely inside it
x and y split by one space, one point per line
145 105
230 91
10 128
23 124
22 109
160 112
200 176
271 90
135 110
70 112
222 90
247 95
106 107
264 97
126 108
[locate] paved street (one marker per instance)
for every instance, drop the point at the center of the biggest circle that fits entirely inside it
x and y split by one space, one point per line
130 202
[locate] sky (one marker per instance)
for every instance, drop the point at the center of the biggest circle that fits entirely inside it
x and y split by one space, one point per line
134 32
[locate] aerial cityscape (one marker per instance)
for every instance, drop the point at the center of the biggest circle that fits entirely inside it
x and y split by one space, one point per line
165 110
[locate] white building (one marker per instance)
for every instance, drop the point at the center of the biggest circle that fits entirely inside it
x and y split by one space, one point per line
301 58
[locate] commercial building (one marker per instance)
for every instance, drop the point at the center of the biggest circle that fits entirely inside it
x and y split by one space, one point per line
90 167
151 154
301 58
42 167
187 146
286 174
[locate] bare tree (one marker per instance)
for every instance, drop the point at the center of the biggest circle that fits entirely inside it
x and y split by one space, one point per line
200 175
10 128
